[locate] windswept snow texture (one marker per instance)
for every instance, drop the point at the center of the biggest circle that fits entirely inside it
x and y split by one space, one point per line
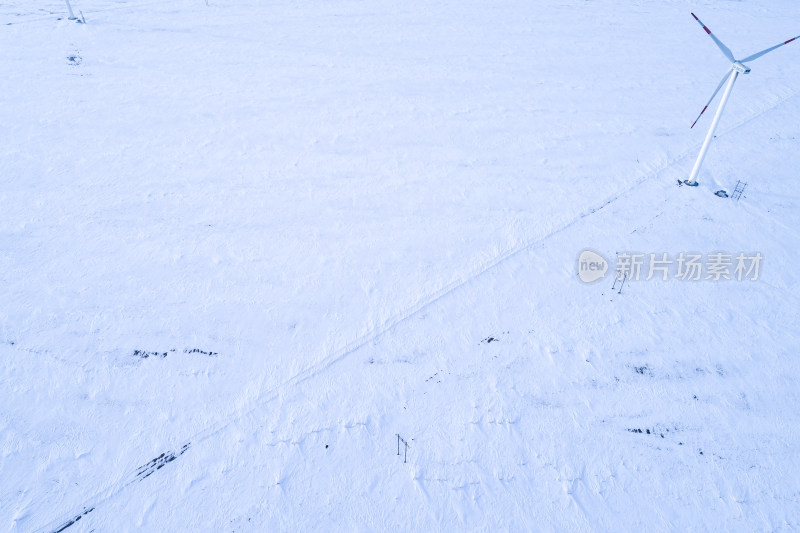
245 245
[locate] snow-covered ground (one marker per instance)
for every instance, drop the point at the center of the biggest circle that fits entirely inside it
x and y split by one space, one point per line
243 246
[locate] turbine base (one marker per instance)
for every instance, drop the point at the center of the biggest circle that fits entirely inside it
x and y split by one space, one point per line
690 183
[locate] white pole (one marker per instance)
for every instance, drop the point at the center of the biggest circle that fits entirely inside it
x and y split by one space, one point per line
71 15
693 176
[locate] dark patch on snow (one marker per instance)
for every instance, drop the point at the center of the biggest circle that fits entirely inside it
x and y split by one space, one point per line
167 457
197 350
644 370
644 431
434 377
72 521
74 60
144 354
650 431
493 338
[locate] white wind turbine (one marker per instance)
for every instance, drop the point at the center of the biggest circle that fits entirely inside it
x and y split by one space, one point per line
737 67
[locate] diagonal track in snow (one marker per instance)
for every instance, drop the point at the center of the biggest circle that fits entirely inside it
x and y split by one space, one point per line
377 332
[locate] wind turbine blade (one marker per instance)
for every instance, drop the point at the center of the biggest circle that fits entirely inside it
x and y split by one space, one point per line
724 79
725 49
768 50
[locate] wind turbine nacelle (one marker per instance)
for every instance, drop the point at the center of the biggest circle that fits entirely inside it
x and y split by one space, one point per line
741 68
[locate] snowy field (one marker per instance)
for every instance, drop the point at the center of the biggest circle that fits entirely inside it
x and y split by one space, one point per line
245 245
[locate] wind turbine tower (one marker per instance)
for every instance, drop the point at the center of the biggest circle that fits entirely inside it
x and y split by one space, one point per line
737 67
